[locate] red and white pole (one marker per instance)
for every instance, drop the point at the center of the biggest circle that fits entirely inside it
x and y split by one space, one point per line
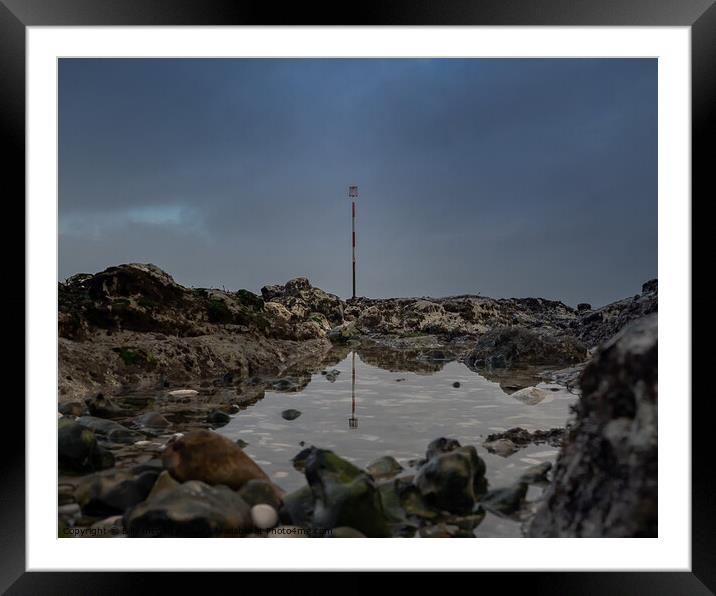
353 195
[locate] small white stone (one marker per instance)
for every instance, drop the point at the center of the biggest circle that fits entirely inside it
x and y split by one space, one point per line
183 392
141 443
264 516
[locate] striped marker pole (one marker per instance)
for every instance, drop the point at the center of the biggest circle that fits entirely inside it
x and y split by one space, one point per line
353 195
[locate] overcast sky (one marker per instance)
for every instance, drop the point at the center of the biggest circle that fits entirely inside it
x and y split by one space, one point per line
492 176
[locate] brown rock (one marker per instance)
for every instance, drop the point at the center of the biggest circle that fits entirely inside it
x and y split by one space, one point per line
207 456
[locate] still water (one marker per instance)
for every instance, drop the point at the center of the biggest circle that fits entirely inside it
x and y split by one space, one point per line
369 411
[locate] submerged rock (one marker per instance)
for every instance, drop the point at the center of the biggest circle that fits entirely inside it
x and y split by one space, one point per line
521 437
605 479
207 456
194 510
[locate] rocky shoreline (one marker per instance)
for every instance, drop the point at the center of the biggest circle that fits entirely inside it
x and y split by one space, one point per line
147 367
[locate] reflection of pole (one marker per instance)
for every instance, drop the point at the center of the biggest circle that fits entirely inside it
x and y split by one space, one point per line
353 421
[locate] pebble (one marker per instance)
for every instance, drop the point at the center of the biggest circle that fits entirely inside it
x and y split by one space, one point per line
183 392
264 516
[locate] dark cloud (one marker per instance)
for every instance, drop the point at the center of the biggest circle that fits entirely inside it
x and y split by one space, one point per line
505 177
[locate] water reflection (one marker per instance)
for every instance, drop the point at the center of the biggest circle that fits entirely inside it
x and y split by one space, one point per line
353 421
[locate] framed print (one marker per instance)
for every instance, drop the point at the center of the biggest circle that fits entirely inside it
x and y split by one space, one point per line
392 278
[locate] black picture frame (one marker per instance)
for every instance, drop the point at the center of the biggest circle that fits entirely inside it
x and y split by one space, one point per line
16 15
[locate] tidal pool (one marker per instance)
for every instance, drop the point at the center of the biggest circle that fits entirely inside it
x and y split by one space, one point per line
373 410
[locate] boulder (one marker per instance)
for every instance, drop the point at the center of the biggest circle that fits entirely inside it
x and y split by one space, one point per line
452 479
113 491
193 510
110 430
78 449
207 456
605 479
384 467
344 495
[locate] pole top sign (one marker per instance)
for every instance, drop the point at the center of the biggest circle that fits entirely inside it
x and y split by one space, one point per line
352 192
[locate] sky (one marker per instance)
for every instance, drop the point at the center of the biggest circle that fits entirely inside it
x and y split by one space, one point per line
498 177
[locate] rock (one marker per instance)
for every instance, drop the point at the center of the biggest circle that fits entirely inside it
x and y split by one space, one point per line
113 491
513 346
346 532
530 395
183 393
153 420
290 414
72 408
501 447
165 482
521 437
69 513
331 375
384 467
218 418
536 474
452 480
103 407
344 495
207 456
583 306
264 516
605 479
299 460
297 507
505 501
441 445
343 334
110 430
301 299
456 384
287 385
260 492
78 450
193 509
650 286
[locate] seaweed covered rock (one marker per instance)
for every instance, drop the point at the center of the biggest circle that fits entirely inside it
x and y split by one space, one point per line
453 477
344 495
605 479
78 449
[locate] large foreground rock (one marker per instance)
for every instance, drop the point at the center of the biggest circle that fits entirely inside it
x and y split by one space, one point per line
605 480
207 456
193 509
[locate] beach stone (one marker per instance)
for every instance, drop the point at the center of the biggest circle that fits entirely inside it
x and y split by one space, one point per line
218 418
163 483
78 449
501 447
384 467
530 395
505 501
113 491
290 414
537 473
72 408
207 456
110 430
183 393
194 509
103 407
264 516
153 420
456 384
